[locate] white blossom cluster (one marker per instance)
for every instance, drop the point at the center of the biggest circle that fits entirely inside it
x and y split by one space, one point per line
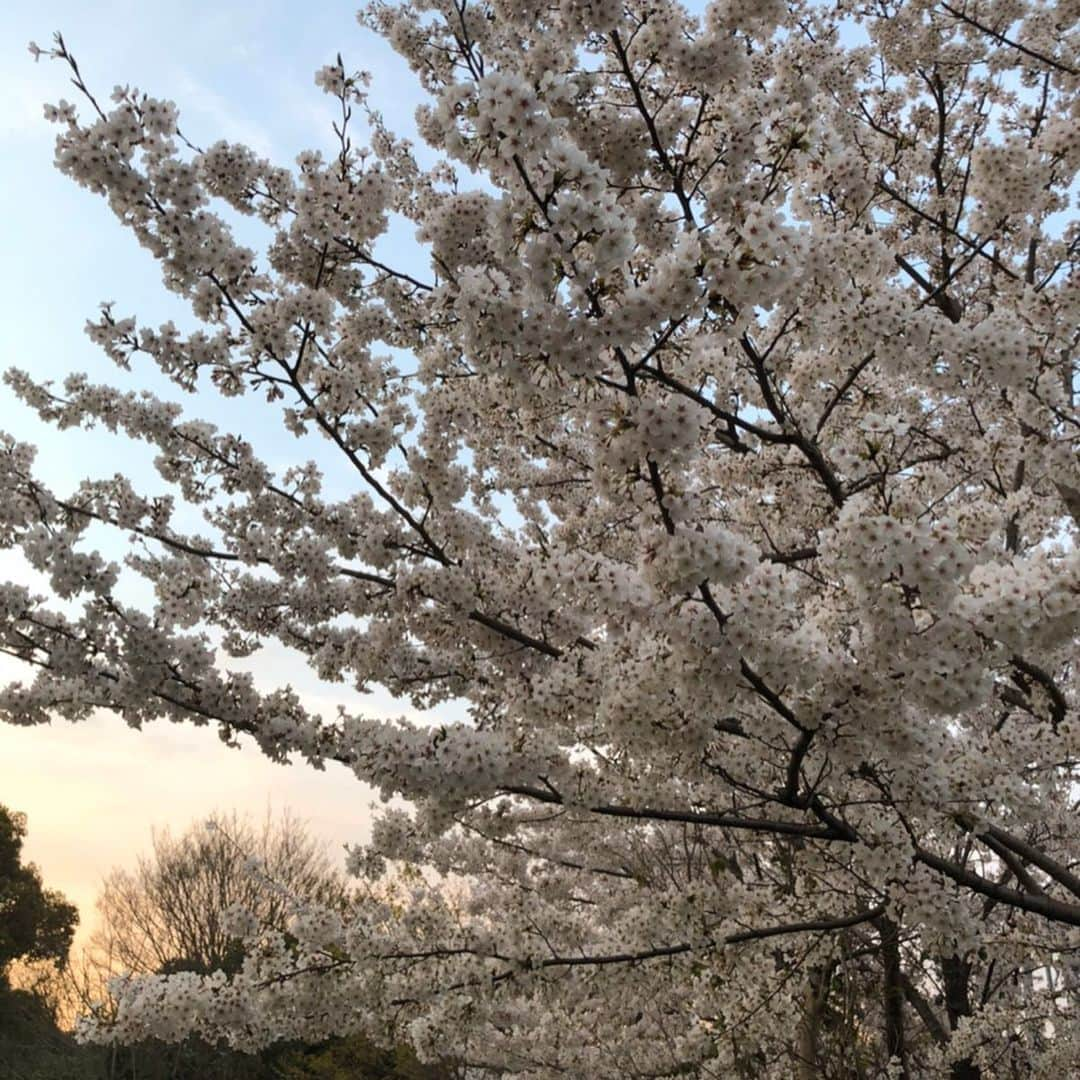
724 460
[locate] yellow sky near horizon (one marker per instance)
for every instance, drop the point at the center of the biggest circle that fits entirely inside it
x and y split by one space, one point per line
93 792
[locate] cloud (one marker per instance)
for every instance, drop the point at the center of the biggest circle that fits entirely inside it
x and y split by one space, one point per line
24 94
215 117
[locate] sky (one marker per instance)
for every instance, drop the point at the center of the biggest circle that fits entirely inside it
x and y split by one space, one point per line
243 72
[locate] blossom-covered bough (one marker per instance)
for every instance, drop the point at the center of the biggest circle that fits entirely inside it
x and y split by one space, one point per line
731 478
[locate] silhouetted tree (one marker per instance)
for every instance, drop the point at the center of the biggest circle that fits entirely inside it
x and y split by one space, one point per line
35 923
167 914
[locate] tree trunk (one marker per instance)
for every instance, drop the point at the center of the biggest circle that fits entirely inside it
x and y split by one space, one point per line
810 1025
893 993
956 974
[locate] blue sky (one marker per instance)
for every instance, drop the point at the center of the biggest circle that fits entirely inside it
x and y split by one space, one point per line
242 72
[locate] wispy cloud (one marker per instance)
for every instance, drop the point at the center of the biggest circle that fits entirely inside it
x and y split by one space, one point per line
24 94
206 116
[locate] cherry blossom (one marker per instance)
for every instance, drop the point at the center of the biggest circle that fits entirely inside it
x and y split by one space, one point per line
723 460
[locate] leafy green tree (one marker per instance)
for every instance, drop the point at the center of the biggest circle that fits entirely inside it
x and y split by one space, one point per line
35 923
352 1058
36 928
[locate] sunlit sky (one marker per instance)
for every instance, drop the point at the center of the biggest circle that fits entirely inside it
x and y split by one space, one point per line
243 72
93 791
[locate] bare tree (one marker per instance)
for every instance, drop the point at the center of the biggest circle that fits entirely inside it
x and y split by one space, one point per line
167 913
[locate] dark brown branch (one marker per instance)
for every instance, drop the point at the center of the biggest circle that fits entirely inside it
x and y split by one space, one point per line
935 295
785 558
1058 705
893 992
841 390
723 821
795 763
810 450
433 549
993 834
964 17
970 244
654 135
1049 908
812 926
1015 865
925 1011
511 632
176 544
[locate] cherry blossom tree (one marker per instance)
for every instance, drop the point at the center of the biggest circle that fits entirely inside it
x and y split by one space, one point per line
723 460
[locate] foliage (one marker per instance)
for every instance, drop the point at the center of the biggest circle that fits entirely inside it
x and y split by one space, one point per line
344 1059
35 923
32 1047
725 466
36 928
